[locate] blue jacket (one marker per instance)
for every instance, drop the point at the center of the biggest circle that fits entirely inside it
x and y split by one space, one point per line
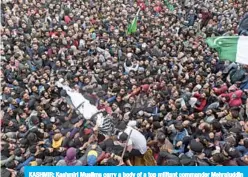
179 136
243 150
25 163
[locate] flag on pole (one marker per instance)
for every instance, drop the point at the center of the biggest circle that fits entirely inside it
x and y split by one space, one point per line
132 28
232 48
147 2
169 5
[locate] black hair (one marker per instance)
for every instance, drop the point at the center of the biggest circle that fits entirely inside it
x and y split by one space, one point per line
128 63
49 127
216 126
23 142
10 164
123 136
218 158
112 162
32 148
179 126
6 147
246 143
18 152
5 173
161 138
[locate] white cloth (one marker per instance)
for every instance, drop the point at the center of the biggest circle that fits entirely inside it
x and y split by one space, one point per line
131 68
132 123
192 101
86 109
105 53
138 140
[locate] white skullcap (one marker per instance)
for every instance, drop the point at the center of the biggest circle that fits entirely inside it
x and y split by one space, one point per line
144 45
73 47
132 123
129 55
198 87
61 80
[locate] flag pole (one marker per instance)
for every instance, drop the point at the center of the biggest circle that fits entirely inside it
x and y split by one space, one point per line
137 14
125 148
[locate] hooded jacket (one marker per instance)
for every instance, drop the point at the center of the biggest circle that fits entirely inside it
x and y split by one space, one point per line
220 90
70 159
203 102
234 98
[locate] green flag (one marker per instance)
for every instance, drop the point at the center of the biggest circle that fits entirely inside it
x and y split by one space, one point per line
169 5
147 2
232 48
132 28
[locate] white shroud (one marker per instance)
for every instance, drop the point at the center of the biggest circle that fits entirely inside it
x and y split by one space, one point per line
82 105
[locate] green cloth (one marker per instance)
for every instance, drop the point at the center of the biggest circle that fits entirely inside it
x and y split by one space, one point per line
147 2
226 46
132 28
169 5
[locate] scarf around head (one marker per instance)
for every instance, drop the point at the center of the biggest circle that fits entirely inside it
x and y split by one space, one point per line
70 157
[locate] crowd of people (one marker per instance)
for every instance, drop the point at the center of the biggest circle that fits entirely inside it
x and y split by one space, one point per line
170 99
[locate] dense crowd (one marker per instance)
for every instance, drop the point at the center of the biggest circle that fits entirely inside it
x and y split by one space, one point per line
182 105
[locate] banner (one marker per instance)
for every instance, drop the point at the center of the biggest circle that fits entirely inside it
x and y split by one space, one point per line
141 171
